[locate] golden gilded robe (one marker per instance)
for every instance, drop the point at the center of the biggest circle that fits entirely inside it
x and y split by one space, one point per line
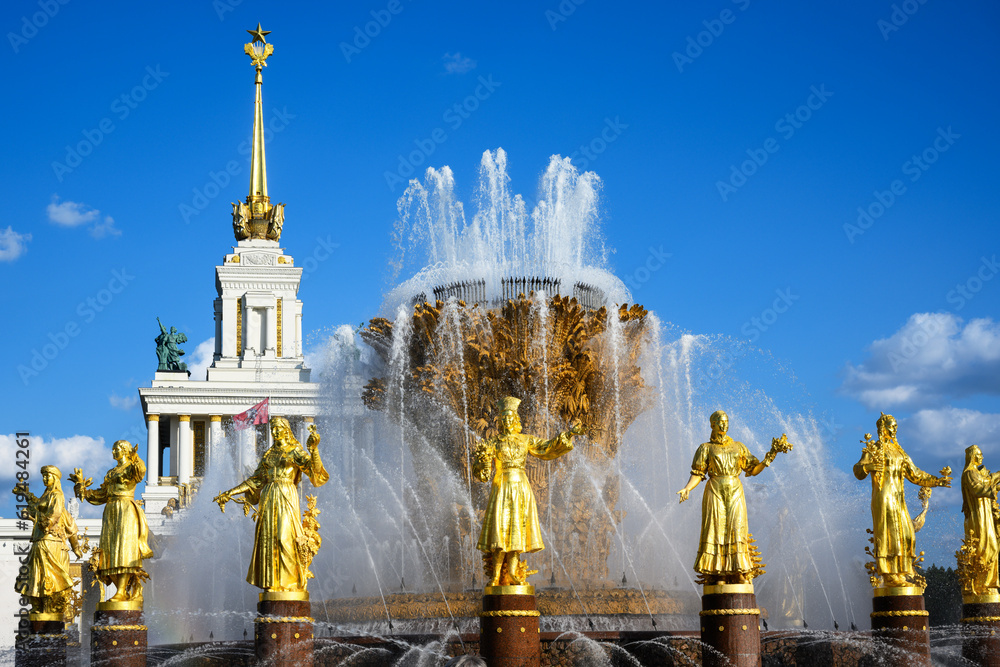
894 536
977 504
48 559
511 520
724 546
124 531
275 564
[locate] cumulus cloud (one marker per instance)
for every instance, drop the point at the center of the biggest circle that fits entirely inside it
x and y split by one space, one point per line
12 244
70 213
456 63
931 358
201 358
123 402
75 214
77 451
105 228
946 432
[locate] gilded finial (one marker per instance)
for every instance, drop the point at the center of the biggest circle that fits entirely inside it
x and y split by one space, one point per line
258 218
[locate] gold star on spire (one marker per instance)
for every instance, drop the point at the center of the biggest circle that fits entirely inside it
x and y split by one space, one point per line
258 34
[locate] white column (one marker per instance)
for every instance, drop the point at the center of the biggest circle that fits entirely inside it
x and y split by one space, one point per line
214 441
185 450
152 450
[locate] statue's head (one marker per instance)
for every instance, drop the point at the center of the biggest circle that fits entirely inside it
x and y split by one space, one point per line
281 430
120 449
720 422
886 426
51 476
509 421
173 330
973 456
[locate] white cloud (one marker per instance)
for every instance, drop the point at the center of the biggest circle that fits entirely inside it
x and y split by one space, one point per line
74 214
70 213
77 451
456 63
199 360
931 358
106 228
946 432
12 244
123 402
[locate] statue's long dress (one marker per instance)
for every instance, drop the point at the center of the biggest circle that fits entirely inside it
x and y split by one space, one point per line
511 521
275 563
977 504
894 536
48 559
724 547
124 531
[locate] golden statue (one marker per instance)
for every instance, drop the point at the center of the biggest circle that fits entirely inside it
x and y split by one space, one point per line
48 583
510 526
893 534
977 559
281 546
726 554
124 532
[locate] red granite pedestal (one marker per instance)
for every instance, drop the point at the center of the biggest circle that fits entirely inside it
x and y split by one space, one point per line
730 633
118 635
283 630
508 626
44 644
900 625
981 630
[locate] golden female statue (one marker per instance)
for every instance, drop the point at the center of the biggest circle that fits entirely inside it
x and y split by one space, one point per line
276 564
894 536
124 532
48 578
511 526
725 555
979 575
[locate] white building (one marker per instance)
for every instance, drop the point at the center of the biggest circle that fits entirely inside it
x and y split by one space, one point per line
258 355
258 346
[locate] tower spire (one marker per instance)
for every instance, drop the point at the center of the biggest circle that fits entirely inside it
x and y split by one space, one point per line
257 218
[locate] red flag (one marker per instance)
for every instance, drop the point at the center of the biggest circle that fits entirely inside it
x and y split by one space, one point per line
258 414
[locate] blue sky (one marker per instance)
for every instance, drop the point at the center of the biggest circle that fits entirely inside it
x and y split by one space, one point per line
739 137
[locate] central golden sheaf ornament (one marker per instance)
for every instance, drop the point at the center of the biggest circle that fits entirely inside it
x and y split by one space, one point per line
561 360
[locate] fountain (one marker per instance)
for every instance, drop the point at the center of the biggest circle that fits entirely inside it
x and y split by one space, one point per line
520 303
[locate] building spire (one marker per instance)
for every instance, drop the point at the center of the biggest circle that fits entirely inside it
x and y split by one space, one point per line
257 218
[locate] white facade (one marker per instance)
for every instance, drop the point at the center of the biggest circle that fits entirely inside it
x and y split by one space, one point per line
258 355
